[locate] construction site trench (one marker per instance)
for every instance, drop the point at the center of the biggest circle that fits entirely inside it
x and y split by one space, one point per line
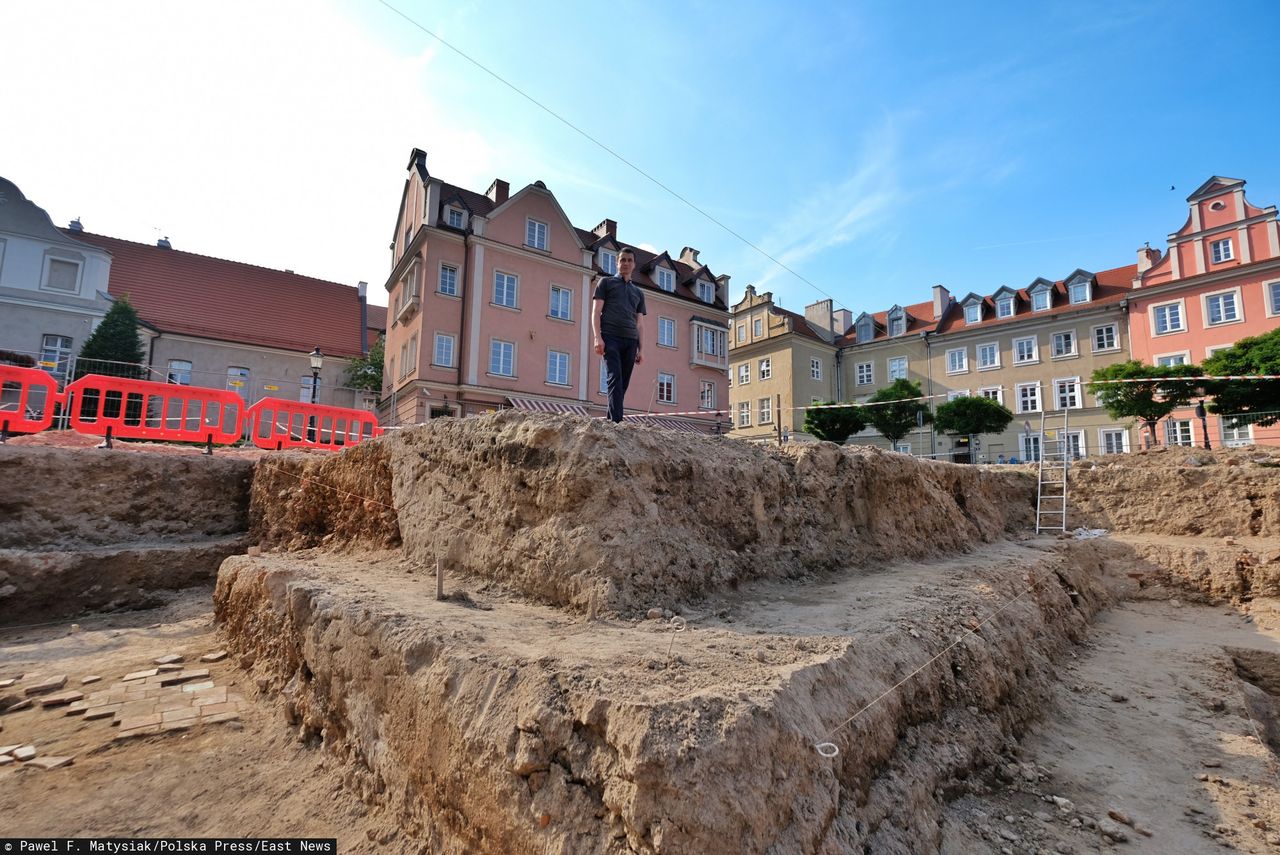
646 643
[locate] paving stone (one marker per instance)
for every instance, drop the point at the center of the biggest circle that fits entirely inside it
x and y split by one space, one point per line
215 656
194 674
137 708
134 722
216 695
92 678
226 716
5 760
140 675
195 687
187 714
185 724
23 704
52 762
26 752
105 711
9 681
163 669
61 699
77 708
9 749
164 706
138 731
216 709
46 685
168 659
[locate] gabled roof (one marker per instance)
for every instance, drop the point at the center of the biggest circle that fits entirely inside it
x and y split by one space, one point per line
916 323
1005 291
1111 287
476 203
1214 186
1039 284
970 298
189 294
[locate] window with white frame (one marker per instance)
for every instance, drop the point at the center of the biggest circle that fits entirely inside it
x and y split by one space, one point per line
1236 432
744 373
897 368
992 393
766 368
1028 397
757 328
1104 338
180 373
1221 308
973 313
442 353
1066 393
453 216
815 368
742 332
1079 292
1170 359
706 291
766 411
557 368
666 279
1029 443
62 275
989 355
706 395
1274 289
535 234
958 360
666 332
238 380
1064 343
1167 318
504 289
903 448
666 388
55 355
1004 307
448 280
561 303
1113 440
1221 250
502 358
709 341
1178 432
744 414
957 393
609 261
863 373
1025 350
1040 300
1076 444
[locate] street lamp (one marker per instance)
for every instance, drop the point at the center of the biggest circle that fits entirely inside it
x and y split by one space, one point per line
1204 423
317 362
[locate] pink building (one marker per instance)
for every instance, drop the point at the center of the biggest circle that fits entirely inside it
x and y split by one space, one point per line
1218 282
490 301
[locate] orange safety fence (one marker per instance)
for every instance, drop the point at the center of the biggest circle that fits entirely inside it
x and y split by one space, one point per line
276 423
28 397
146 409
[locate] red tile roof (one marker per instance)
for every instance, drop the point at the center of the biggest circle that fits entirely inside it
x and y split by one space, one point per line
798 323
1112 286
919 319
377 319
196 295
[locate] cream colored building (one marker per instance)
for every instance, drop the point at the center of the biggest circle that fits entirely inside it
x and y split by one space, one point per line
779 363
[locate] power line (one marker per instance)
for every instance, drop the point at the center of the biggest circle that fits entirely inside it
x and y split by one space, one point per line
602 145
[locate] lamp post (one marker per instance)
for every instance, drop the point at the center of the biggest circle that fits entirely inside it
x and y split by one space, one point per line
1204 423
317 362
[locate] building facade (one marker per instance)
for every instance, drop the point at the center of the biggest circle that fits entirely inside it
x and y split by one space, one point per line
489 307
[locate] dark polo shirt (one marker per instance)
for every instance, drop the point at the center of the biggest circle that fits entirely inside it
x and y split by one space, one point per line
622 302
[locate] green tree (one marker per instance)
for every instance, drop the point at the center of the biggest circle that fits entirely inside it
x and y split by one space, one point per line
836 424
1158 393
366 372
897 415
972 415
1248 356
114 347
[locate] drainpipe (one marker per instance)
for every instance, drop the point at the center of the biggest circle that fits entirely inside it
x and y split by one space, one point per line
462 327
928 365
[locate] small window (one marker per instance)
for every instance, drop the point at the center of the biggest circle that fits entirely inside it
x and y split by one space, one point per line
1274 290
1171 359
180 373
957 361
454 217
1004 307
1167 318
502 358
744 414
666 388
815 368
988 355
1221 308
897 325
666 332
766 411
866 331
973 313
558 368
757 328
709 341
448 280
742 329
238 380
1028 397
1221 250
1104 337
666 279
744 373
504 290
706 395
55 355
897 368
706 292
992 393
1067 393
1040 301
1178 432
536 234
1025 350
609 261
1080 292
864 374
561 300
766 368
1064 343
62 276
442 355
1114 441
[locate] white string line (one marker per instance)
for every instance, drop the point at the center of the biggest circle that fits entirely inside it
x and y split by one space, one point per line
603 146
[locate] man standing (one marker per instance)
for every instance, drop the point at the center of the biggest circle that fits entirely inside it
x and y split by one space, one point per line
618 329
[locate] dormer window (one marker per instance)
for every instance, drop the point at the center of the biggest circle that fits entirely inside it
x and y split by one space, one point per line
609 261
666 279
1221 250
866 331
535 234
1004 307
973 313
706 291
1040 300
454 217
1080 292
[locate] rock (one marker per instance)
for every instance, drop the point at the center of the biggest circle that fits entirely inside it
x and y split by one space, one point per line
654 614
46 685
168 659
25 753
1145 832
1119 816
52 762
1064 804
215 656
1113 829
75 627
1211 764
1008 834
1202 777
1119 697
92 678
1042 816
23 704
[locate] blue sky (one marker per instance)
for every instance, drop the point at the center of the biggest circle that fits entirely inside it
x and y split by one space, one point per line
875 148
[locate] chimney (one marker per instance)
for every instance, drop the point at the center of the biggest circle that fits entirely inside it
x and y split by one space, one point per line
843 319
722 284
689 256
1147 258
418 160
362 289
941 299
163 243
819 315
606 228
75 226
498 191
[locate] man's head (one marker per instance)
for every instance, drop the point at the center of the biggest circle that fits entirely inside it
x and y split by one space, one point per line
626 262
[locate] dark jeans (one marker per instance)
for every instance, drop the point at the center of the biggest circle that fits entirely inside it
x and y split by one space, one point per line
619 359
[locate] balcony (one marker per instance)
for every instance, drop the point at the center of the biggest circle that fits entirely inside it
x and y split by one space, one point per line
409 309
710 346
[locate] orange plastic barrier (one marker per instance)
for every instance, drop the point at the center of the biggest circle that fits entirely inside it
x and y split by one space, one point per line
276 423
145 409
27 399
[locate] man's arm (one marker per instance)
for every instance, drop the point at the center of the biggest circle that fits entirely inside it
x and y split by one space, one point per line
640 332
597 307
